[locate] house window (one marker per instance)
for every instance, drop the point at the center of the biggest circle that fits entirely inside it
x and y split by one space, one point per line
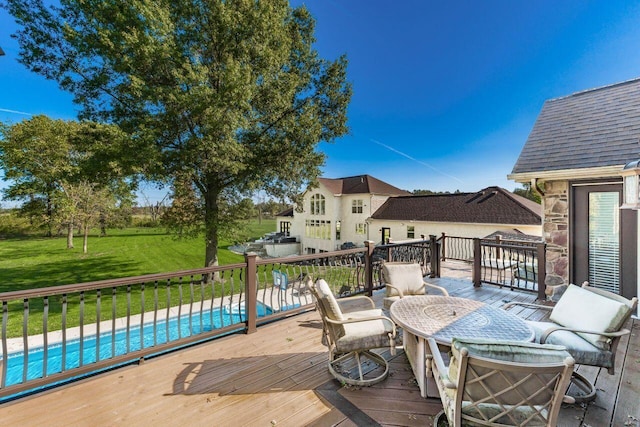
318 229
361 228
285 228
317 204
356 206
338 225
411 231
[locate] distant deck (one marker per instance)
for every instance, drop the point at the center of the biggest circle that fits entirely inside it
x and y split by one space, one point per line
278 377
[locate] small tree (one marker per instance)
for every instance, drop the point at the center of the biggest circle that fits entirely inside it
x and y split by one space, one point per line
85 203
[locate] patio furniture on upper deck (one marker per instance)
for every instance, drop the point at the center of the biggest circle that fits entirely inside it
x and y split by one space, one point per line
589 322
499 383
405 279
350 335
442 318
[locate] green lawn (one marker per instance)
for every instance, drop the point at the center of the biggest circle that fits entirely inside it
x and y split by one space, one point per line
37 262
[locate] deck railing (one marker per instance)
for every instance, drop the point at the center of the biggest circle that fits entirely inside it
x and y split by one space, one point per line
518 264
52 335
456 248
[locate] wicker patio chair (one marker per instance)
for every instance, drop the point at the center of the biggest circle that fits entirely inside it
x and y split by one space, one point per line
351 334
589 322
501 383
403 279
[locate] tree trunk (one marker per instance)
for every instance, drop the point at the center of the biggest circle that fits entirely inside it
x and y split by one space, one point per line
49 217
211 228
85 240
70 235
103 225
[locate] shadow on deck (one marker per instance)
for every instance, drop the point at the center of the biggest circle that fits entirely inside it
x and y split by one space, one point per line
278 377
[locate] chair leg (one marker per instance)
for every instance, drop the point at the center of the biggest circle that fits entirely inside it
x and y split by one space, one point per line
584 385
339 373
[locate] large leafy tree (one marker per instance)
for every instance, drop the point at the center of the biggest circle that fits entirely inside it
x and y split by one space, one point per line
226 96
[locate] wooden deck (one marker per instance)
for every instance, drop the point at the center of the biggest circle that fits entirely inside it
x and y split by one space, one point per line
278 377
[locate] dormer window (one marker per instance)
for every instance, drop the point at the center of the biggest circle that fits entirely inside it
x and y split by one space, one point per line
317 204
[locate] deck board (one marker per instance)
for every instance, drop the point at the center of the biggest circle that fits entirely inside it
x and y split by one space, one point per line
278 377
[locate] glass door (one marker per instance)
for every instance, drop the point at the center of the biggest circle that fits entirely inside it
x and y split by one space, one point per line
603 242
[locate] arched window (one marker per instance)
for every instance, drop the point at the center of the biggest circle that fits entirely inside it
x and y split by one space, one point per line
317 204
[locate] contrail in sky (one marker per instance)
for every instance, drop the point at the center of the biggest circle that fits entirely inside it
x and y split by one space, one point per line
417 161
15 112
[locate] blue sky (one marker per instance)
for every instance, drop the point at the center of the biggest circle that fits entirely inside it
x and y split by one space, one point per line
445 93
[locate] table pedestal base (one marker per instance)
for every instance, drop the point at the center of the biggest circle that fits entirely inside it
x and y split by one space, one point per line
416 349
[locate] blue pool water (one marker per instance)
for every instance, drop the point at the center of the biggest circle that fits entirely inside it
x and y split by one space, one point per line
178 328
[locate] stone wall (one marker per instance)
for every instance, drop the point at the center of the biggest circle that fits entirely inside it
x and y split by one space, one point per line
555 230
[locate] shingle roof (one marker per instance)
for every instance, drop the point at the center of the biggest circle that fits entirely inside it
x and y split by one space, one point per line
286 212
361 184
597 127
493 205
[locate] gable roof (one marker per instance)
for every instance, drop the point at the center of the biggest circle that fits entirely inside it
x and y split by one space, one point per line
360 184
595 128
492 205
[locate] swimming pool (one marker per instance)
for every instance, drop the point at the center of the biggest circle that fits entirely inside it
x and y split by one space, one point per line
178 327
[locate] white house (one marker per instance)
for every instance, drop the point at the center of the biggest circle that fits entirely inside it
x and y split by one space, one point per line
347 211
337 210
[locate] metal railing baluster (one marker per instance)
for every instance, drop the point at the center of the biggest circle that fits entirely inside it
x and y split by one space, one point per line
142 311
81 355
45 334
98 320
64 333
25 339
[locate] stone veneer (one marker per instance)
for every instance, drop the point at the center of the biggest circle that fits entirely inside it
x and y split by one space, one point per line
555 230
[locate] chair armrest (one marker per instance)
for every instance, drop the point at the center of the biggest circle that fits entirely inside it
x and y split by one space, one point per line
441 368
396 288
553 329
439 288
364 319
508 305
356 302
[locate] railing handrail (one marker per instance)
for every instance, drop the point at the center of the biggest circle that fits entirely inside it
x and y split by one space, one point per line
110 283
298 258
509 246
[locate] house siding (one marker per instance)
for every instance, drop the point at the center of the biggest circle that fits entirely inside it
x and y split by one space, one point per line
427 228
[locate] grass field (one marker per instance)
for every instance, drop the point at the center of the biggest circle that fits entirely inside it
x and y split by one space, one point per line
27 263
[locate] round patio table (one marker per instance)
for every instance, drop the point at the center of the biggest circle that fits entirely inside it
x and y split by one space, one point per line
443 318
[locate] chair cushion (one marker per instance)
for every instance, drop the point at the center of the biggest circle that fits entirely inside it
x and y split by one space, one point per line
508 351
328 300
364 335
523 415
373 312
581 309
584 352
405 276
